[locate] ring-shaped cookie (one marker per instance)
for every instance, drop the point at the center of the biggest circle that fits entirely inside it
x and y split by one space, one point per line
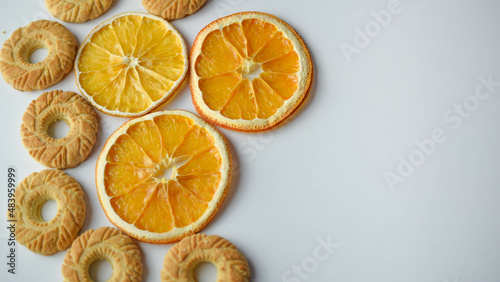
57 234
66 152
77 11
105 243
181 260
15 55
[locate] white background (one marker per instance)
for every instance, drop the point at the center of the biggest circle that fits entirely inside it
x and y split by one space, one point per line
321 176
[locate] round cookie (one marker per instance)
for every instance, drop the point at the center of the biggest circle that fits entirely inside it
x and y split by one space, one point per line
182 259
32 231
104 243
66 152
16 51
172 9
77 11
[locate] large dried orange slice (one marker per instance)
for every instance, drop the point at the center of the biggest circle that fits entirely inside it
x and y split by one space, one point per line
163 176
131 64
249 71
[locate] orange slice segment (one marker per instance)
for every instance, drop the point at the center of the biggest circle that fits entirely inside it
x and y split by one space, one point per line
131 64
156 213
163 176
186 207
249 71
241 104
129 205
200 185
257 32
218 88
121 178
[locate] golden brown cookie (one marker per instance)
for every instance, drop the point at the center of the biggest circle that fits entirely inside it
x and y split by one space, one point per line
32 231
16 51
172 9
77 11
66 152
182 259
104 243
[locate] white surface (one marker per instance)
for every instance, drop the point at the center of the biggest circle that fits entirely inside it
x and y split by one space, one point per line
322 174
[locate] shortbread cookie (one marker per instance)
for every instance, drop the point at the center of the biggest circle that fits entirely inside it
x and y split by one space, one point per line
16 51
182 259
70 150
104 243
48 237
77 11
172 9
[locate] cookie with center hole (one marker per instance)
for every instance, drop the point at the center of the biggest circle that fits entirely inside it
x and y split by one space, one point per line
57 234
72 149
15 65
104 243
181 260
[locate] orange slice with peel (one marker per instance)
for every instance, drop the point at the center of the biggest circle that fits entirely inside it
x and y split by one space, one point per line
163 176
249 71
131 64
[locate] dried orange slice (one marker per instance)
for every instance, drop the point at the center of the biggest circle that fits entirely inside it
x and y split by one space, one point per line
163 176
131 64
249 71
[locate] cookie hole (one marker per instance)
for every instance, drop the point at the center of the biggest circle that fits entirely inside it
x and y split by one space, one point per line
58 129
38 55
205 272
100 270
49 210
